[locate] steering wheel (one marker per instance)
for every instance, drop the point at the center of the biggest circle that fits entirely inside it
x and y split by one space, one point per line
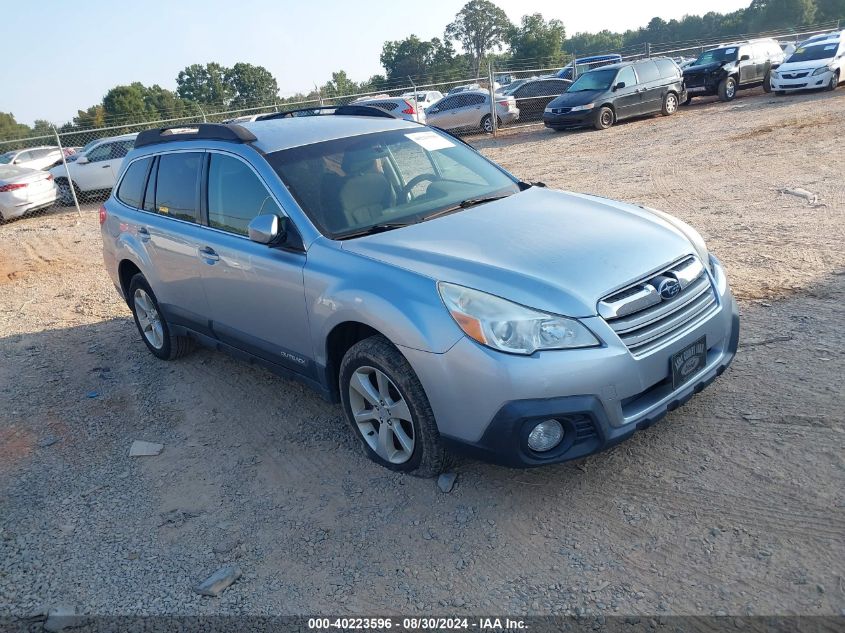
413 182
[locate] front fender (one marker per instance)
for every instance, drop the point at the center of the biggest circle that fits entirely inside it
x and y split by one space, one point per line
404 306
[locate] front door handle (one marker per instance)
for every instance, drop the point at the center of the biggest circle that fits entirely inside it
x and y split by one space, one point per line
144 234
209 255
105 167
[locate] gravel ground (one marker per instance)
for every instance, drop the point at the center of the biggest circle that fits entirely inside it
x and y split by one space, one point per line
734 504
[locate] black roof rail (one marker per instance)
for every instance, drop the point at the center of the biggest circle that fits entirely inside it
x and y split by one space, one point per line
342 110
231 133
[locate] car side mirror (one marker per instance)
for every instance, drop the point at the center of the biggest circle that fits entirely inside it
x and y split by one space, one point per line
745 58
266 229
82 160
433 110
619 86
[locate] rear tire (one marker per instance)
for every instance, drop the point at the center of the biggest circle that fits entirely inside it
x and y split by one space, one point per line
151 324
487 123
379 387
767 82
604 118
727 89
670 104
65 197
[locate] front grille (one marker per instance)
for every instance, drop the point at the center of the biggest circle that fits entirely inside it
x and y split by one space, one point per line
794 75
694 81
644 320
560 110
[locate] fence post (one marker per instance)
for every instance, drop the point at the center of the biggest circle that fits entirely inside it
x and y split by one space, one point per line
493 116
67 172
416 100
648 50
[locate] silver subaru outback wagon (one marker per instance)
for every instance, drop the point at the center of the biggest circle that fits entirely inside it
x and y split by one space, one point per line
443 302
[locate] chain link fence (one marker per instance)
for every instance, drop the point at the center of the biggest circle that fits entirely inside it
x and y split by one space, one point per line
83 161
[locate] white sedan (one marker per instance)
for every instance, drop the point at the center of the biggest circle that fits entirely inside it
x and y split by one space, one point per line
23 190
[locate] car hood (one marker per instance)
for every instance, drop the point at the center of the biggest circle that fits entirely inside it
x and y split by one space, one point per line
810 64
703 68
546 249
570 99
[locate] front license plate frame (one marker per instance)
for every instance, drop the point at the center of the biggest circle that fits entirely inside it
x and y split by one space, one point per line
688 362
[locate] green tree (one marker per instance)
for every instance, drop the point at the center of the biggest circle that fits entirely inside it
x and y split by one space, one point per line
204 84
42 128
250 85
420 59
586 43
537 40
773 14
830 10
11 129
339 85
480 26
127 104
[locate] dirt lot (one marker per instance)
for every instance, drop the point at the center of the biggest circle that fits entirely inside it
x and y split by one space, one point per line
734 504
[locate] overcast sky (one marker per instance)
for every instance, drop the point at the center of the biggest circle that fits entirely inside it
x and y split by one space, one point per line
60 55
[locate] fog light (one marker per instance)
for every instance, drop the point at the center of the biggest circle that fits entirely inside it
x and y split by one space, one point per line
545 436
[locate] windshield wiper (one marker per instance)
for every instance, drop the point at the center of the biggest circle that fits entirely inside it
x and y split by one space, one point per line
375 228
464 204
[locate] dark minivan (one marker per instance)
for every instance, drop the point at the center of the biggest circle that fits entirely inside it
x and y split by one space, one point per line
605 95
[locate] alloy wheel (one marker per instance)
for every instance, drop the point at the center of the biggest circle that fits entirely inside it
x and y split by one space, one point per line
148 318
671 104
382 415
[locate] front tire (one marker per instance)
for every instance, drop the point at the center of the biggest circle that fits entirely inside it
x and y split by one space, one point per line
670 104
151 324
603 119
834 82
727 89
387 409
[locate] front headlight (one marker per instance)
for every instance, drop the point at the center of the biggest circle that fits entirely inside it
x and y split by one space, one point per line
508 326
822 70
586 106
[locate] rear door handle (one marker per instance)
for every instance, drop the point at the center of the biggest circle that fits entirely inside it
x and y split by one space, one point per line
209 255
144 234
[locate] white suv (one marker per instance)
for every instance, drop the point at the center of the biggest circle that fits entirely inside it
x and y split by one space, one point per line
32 157
816 63
96 169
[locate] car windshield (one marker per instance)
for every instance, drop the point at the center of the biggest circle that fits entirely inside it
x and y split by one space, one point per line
6 158
352 186
593 80
718 55
810 53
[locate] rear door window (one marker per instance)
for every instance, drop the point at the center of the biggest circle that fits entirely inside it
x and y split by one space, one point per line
131 190
236 195
178 185
648 72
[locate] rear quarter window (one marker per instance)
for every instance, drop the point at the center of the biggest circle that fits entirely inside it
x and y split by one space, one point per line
667 68
131 189
647 72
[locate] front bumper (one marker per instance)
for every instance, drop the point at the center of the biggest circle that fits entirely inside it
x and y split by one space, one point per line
486 402
810 82
697 86
568 119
